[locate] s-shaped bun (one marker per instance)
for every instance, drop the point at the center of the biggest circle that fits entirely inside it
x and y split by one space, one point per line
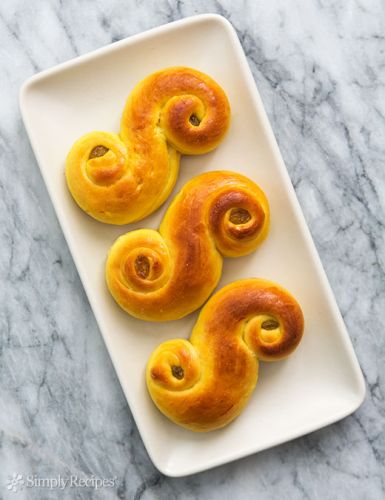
204 383
167 274
121 179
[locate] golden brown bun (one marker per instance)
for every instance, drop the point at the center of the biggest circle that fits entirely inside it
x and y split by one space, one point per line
166 274
204 383
121 179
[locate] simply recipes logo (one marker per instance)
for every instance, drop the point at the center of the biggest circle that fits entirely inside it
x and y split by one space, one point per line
18 482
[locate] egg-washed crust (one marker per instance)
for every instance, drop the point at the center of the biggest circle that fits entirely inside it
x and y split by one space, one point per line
220 362
119 179
167 274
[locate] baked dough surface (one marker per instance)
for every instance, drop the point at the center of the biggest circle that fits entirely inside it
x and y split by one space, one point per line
119 179
166 274
204 383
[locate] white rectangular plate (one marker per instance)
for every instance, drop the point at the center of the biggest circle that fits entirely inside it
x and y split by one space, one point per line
321 382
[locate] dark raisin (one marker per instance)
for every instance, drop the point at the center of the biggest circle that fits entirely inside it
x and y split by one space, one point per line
239 216
177 372
142 266
270 324
194 120
98 151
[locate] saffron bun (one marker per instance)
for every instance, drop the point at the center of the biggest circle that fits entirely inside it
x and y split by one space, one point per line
119 179
205 382
167 274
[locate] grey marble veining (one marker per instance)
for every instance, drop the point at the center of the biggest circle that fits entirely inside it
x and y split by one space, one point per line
320 69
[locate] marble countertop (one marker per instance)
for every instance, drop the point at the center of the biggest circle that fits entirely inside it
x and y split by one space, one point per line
320 69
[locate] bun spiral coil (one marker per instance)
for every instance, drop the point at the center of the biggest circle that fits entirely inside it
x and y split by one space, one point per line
166 274
204 383
121 179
